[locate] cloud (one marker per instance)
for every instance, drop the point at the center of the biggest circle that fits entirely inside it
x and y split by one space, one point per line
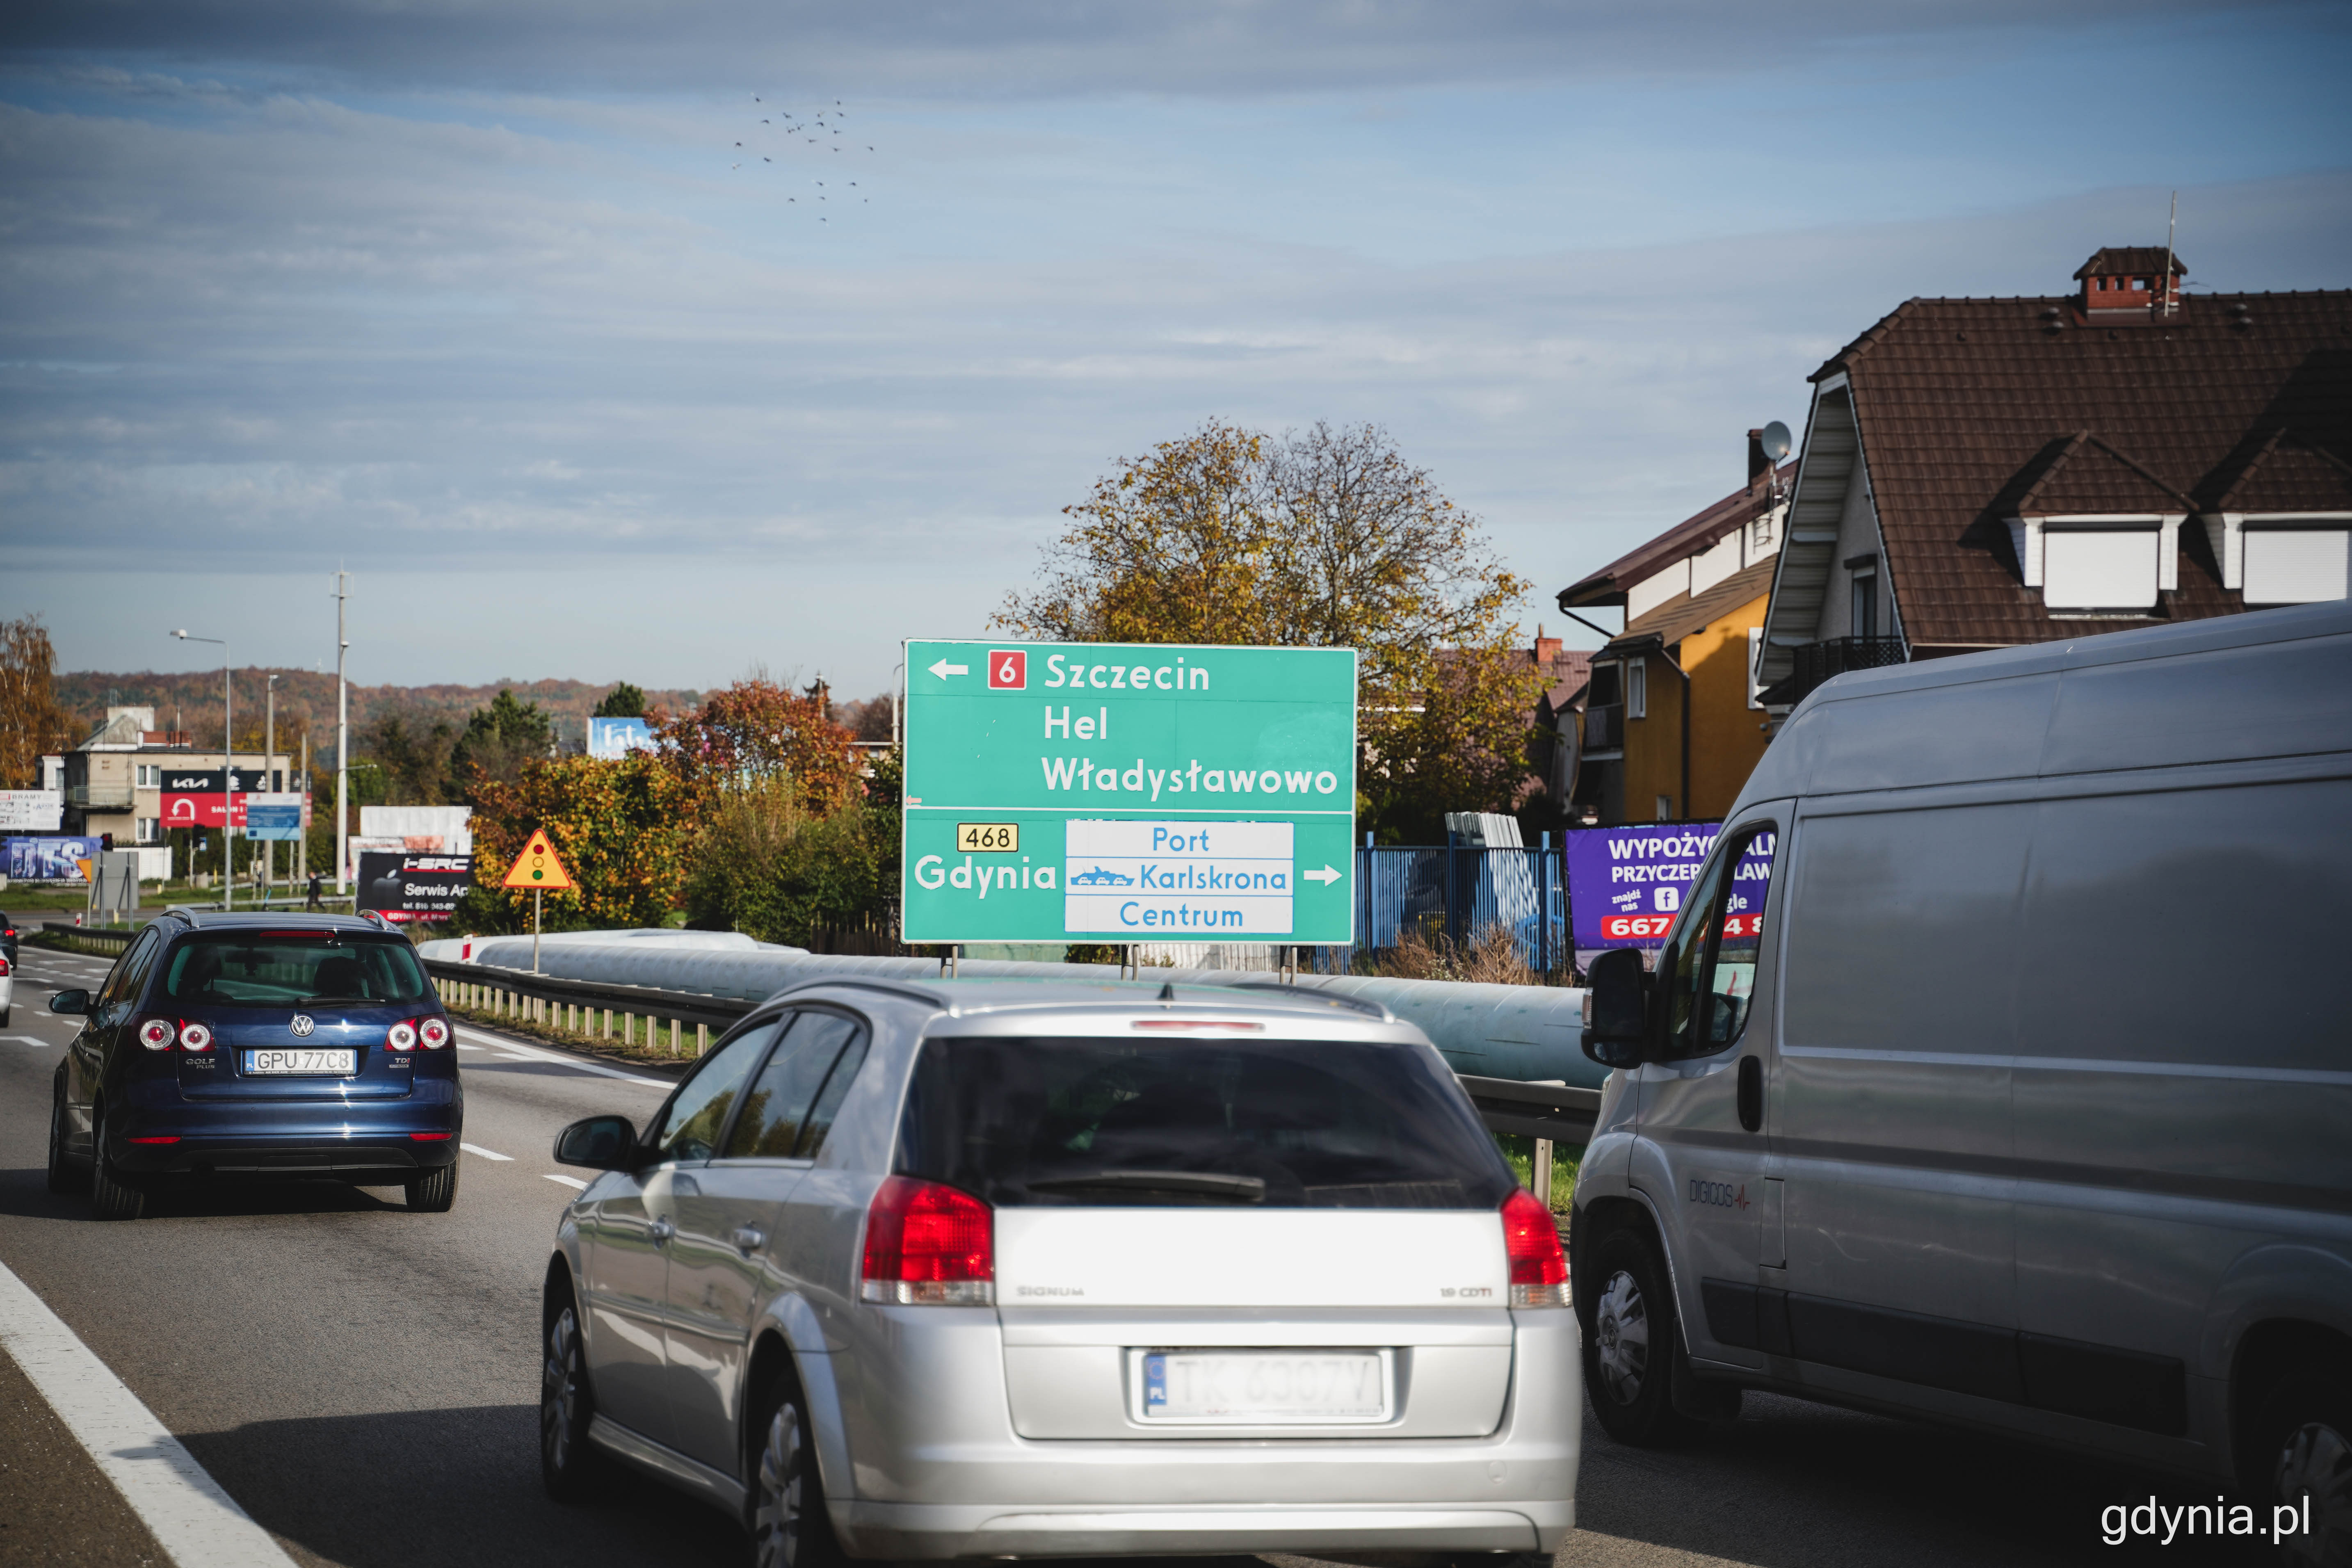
1023 47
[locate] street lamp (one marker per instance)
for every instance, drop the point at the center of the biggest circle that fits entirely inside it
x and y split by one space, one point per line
228 771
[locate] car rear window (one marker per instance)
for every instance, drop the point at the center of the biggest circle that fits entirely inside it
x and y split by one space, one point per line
1161 1122
287 970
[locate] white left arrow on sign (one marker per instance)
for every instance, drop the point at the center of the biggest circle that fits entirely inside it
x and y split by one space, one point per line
943 669
1326 875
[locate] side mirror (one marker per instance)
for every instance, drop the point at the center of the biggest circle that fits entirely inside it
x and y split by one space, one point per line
66 1004
1617 1020
598 1143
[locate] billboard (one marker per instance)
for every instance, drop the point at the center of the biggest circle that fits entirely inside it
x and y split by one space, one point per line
1062 793
276 816
31 810
1625 885
613 739
405 887
193 796
50 859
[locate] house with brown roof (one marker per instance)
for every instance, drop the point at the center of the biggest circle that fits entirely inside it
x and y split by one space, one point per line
1671 726
1981 473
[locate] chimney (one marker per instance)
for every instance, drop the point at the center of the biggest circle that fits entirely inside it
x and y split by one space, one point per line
2130 277
1547 650
1760 467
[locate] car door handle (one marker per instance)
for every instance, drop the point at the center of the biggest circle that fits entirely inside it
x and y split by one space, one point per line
749 1239
661 1230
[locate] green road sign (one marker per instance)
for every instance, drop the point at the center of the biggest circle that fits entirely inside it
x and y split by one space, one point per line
1074 792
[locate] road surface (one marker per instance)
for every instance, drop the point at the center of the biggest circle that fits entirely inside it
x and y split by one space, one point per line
363 1379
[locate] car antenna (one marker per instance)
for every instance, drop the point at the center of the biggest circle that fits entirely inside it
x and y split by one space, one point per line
1168 991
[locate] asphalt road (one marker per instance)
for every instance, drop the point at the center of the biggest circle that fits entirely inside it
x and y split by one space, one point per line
363 1379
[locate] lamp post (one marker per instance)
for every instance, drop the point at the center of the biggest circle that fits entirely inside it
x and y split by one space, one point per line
228 773
269 755
342 742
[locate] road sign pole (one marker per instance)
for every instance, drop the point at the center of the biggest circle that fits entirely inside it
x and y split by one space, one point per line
537 897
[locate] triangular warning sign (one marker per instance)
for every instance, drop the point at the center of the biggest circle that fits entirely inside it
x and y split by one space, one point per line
537 867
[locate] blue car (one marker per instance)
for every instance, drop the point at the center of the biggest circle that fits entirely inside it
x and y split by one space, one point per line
258 1046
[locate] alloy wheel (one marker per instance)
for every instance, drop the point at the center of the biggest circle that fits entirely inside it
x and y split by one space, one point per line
559 1394
2316 1463
778 1522
1621 1337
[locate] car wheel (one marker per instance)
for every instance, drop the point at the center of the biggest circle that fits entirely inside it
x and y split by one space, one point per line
567 1464
2304 1427
110 1197
65 1175
1629 1345
785 1511
435 1191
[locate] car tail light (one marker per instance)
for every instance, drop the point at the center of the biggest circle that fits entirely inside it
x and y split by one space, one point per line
157 1033
433 1033
194 1037
400 1038
929 1246
5 971
429 1137
1200 1025
1531 1239
174 1139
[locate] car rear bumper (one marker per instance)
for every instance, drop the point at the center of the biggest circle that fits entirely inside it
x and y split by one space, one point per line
920 1531
935 1469
287 1140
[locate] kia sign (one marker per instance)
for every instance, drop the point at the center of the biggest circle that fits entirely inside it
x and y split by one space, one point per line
196 797
1625 885
413 888
1118 792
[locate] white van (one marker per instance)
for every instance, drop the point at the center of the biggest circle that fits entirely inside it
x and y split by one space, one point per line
2026 1105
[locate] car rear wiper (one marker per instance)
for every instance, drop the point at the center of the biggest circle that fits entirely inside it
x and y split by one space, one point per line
1208 1183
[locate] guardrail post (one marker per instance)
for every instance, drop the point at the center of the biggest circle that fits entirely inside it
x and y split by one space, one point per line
677 1032
1543 1171
701 1038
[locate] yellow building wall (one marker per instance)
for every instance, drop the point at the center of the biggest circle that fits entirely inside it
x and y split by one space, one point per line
1727 737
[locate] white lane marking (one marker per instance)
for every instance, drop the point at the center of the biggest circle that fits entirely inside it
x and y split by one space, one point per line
192 1518
567 1182
524 1053
26 1039
466 1048
486 1153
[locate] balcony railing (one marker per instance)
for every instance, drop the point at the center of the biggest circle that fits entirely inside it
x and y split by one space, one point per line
1819 661
101 796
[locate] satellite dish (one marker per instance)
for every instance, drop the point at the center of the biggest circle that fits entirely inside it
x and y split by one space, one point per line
1777 444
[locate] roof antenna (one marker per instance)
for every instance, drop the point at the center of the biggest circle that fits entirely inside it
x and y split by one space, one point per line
2171 224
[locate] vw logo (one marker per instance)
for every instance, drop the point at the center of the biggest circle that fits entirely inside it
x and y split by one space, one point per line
303 1025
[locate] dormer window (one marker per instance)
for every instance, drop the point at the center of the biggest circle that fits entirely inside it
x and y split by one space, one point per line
2089 565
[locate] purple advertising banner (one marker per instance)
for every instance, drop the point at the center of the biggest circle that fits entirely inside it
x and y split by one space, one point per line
1625 885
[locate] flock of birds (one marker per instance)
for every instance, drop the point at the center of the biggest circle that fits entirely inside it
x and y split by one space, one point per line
823 130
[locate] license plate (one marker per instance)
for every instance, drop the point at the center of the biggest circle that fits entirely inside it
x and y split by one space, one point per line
1261 1388
300 1061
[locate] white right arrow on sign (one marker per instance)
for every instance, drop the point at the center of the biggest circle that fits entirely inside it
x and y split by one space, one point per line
1326 875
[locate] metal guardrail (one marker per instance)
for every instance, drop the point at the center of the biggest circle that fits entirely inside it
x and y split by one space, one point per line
1557 1111
115 938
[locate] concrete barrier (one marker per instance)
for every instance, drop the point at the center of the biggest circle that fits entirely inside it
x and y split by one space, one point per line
1528 1033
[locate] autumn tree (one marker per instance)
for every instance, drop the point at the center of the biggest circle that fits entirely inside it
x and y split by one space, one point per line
623 829
33 722
1327 538
756 732
414 752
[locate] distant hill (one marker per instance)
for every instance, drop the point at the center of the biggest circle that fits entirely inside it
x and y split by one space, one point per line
306 701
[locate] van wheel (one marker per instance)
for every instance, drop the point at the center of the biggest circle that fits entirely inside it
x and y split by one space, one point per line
435 1190
785 1510
1629 1345
110 1197
2304 1427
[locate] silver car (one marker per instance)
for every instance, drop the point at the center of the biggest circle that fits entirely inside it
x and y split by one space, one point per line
1044 1270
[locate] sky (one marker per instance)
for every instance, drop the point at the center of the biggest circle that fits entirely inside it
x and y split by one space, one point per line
482 302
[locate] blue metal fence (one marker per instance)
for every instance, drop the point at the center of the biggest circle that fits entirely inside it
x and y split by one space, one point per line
1458 892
